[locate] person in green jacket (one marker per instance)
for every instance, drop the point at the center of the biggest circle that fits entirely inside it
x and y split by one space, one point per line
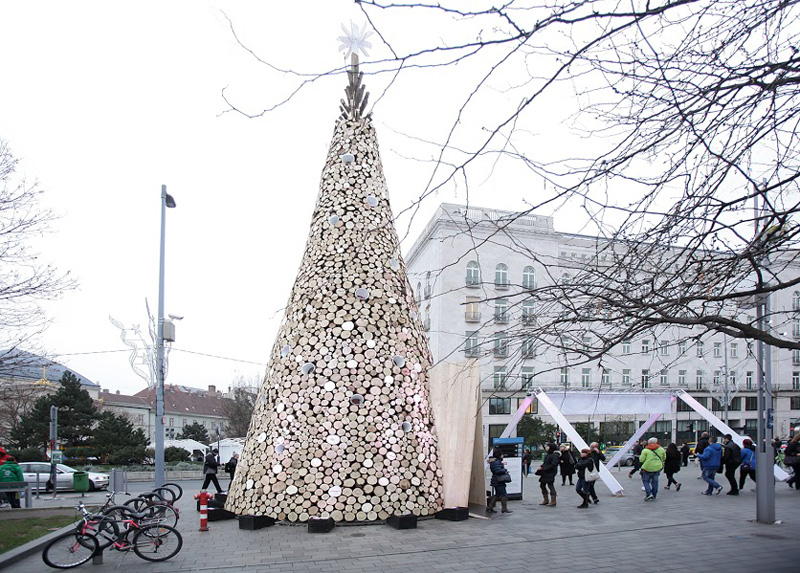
652 459
10 471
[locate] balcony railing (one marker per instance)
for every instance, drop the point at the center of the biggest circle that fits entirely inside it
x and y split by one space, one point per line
472 316
472 352
501 285
473 282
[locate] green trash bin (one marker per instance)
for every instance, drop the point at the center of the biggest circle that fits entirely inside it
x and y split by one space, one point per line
80 481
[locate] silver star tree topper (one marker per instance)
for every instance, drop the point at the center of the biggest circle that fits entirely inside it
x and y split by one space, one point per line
355 40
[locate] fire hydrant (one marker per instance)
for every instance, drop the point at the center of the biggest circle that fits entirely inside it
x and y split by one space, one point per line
203 496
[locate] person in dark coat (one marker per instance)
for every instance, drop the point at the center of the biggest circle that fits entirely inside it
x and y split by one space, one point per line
584 464
526 462
567 465
685 454
498 469
702 444
636 450
547 475
230 467
672 465
597 456
210 470
731 460
792 452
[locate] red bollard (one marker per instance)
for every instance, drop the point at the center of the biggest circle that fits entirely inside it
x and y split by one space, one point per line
203 496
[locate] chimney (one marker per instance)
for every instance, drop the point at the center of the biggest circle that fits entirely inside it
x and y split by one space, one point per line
212 389
117 391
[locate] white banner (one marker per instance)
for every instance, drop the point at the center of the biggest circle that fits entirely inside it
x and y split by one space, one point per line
607 403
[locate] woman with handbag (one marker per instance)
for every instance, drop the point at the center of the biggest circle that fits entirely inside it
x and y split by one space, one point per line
584 466
500 477
547 475
567 464
791 458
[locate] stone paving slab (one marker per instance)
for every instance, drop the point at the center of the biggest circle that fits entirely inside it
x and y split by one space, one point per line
681 531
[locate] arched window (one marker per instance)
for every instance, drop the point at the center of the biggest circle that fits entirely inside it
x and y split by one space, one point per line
473 273
501 276
796 300
419 292
528 278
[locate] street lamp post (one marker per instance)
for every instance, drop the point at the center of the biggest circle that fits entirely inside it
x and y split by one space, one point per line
166 201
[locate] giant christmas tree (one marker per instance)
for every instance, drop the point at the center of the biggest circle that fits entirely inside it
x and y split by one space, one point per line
342 426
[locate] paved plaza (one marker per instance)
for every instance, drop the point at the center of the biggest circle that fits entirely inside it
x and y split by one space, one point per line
681 531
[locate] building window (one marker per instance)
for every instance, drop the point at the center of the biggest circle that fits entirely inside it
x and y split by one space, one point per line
626 377
645 346
751 426
736 404
471 344
500 344
732 379
528 311
473 274
664 346
698 380
606 379
473 309
751 403
682 347
495 431
171 422
565 376
184 423
734 350
528 278
662 427
796 327
528 347
533 407
586 378
703 401
717 350
748 380
663 377
682 378
796 357
501 276
716 381
645 378
795 380
499 378
528 374
683 406
626 346
501 310
700 347
586 342
499 405
716 405
419 292
794 403
796 300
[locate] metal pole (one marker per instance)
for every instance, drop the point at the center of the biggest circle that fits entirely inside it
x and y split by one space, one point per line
53 446
726 392
159 481
765 482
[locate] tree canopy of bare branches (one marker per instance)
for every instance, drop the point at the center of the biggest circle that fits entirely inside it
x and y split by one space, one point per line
683 118
24 279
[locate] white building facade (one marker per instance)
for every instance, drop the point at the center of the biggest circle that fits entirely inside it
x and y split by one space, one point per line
468 263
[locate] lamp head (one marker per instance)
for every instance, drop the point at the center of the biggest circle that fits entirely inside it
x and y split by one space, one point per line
169 201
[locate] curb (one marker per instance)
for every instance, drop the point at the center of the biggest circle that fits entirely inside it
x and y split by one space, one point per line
19 553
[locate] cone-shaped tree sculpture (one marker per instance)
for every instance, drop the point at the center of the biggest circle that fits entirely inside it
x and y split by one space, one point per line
342 426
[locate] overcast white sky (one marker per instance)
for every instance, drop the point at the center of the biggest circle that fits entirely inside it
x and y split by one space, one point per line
105 102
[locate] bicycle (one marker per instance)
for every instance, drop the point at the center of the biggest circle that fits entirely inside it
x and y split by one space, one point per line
152 541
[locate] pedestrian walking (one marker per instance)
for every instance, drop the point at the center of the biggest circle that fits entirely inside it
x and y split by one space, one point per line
652 458
791 459
748 467
710 459
685 450
702 443
567 464
597 457
526 462
547 475
636 450
584 464
672 465
210 470
498 482
731 460
230 467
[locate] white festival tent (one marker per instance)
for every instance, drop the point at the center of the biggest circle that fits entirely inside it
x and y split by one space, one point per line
561 404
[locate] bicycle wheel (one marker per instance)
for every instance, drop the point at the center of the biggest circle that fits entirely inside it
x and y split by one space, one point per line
176 488
167 493
69 550
105 529
157 542
161 514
